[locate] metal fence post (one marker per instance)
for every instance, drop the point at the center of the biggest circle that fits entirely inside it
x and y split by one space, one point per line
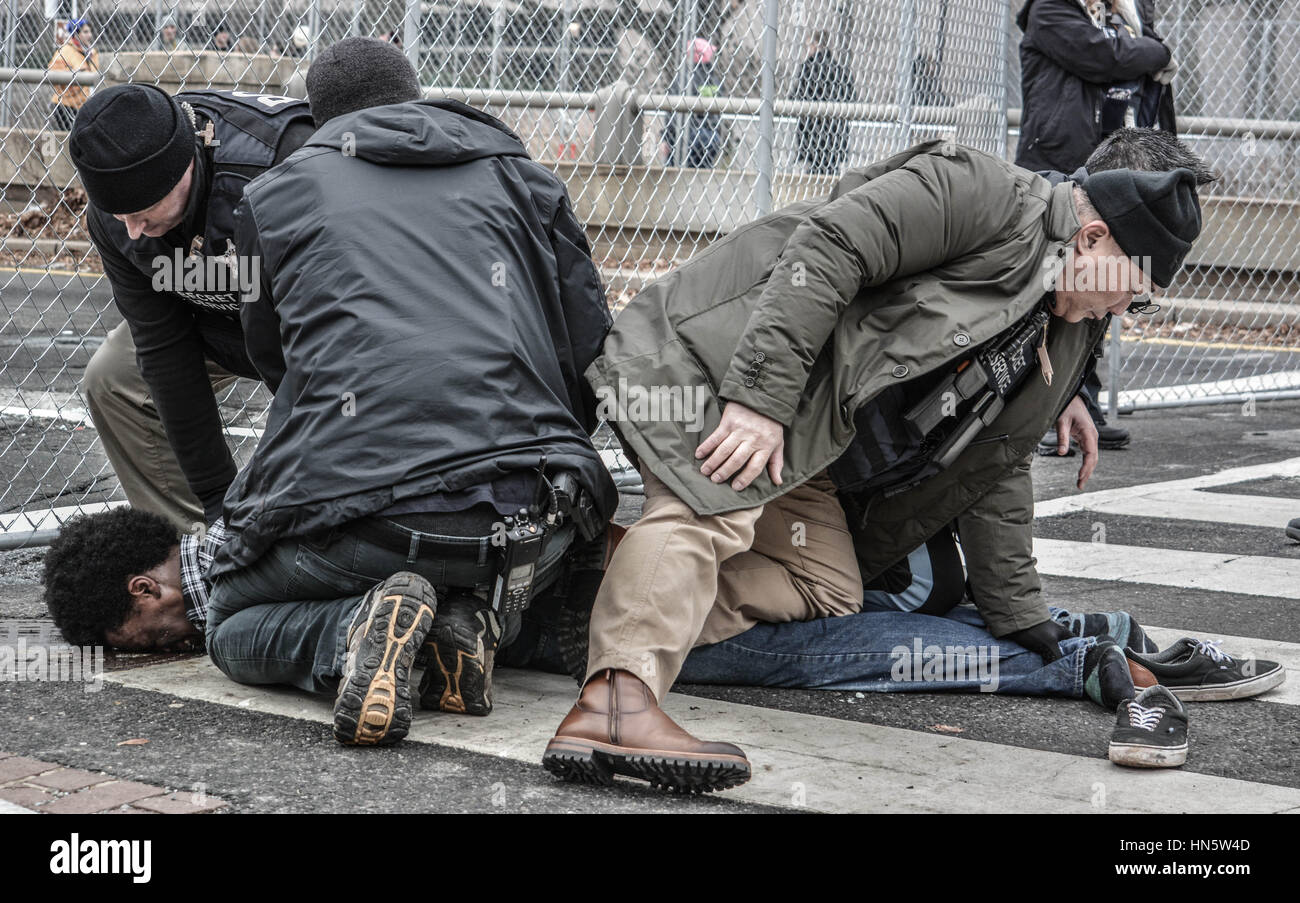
11 30
411 33
354 23
766 112
681 150
313 27
906 57
498 30
1000 135
1116 328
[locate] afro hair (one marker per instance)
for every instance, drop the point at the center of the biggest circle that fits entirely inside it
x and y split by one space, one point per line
87 566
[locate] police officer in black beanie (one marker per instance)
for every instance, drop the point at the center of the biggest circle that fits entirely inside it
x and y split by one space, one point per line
163 175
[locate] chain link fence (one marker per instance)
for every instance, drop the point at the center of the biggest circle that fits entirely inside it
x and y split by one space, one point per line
670 122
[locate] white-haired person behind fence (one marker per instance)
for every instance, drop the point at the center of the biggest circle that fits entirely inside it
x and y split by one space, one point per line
163 175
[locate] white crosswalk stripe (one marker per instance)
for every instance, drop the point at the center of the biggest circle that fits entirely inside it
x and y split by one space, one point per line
1199 505
1096 501
1249 575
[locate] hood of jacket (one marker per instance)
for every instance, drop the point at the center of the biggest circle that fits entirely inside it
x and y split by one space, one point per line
437 132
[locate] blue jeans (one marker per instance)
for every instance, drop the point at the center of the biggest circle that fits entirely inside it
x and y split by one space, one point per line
889 647
889 652
284 619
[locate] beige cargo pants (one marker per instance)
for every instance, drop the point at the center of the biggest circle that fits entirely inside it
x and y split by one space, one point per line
679 579
132 433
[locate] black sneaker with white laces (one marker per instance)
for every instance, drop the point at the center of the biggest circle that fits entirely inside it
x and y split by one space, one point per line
1150 731
1199 671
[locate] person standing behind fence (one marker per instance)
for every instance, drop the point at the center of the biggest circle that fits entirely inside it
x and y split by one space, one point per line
704 133
1089 67
822 141
1070 55
222 40
74 55
169 38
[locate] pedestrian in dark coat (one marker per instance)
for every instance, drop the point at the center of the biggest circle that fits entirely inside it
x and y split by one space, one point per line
822 141
1072 53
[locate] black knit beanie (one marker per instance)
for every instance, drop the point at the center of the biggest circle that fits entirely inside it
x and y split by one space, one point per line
357 73
131 144
1153 215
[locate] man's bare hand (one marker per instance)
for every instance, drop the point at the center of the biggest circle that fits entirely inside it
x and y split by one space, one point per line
1076 423
743 444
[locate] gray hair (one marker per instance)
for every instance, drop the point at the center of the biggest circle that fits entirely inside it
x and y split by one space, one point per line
1084 207
1149 150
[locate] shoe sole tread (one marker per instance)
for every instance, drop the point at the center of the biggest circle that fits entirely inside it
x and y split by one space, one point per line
587 762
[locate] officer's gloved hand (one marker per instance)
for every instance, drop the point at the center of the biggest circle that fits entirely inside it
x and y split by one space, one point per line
1042 639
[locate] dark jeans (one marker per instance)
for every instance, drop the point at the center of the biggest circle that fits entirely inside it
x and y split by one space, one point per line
284 619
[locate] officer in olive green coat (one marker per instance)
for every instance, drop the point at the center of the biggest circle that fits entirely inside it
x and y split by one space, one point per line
783 334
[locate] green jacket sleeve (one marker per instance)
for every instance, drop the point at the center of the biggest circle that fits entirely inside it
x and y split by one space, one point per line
997 541
935 208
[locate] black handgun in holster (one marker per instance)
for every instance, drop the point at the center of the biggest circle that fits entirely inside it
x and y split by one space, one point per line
575 504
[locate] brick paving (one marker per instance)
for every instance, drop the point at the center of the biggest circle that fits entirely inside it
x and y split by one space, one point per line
50 787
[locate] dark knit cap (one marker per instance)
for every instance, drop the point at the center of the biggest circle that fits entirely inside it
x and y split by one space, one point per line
1154 216
131 144
357 73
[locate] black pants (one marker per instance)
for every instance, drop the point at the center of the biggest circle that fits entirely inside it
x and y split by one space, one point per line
284 619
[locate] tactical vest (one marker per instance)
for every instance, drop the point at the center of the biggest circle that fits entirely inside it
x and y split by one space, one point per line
890 450
246 129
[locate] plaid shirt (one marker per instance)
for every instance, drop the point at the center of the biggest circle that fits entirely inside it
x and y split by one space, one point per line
196 558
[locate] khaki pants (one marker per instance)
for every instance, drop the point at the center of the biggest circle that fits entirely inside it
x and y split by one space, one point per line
679 579
132 433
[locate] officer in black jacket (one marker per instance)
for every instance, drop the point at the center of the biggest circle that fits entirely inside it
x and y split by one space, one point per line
163 175
427 307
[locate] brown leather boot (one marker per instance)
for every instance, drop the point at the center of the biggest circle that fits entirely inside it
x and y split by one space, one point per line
616 727
1142 676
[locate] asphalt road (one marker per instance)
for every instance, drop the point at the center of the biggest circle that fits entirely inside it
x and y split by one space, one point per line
267 762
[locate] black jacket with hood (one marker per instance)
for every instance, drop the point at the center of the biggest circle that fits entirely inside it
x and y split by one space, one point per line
428 306
1066 64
